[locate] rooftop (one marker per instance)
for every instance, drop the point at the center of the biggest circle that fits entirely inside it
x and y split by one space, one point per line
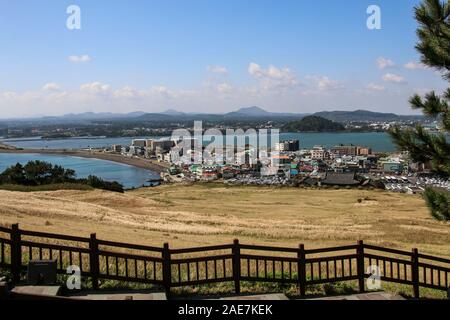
340 179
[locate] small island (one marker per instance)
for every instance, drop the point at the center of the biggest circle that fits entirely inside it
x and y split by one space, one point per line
313 124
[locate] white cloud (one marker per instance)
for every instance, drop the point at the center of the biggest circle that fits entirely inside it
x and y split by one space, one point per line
415 65
95 87
255 69
384 63
273 78
375 87
198 99
126 92
9 95
78 59
162 91
217 69
52 86
324 83
390 77
215 94
224 88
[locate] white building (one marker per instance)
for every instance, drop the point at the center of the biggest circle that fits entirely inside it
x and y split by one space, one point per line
318 153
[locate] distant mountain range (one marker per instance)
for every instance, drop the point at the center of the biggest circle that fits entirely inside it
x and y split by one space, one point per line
172 112
257 112
100 115
363 116
247 114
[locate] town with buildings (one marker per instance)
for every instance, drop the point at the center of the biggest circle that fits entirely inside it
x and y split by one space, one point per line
338 166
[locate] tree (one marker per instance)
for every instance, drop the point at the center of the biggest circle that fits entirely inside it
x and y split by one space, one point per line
99 183
60 175
13 175
433 32
38 172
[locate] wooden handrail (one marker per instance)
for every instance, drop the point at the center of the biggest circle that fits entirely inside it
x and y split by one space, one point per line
129 246
388 250
39 234
161 272
201 249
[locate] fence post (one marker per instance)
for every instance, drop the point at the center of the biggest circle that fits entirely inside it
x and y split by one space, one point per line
360 265
94 260
167 269
16 253
237 266
301 267
415 272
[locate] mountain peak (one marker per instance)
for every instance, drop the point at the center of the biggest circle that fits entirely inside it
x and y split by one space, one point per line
172 112
253 111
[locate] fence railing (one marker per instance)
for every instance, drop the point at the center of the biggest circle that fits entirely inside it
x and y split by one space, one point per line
108 260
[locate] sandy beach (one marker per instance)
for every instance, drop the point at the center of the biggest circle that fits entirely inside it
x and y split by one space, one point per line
151 165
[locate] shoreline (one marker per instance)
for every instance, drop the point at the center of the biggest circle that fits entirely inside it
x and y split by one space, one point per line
150 165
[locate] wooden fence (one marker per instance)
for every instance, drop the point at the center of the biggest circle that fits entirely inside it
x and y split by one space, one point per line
100 259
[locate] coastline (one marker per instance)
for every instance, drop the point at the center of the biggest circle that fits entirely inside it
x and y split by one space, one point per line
150 165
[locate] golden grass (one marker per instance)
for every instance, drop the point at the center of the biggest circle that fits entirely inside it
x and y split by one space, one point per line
204 214
207 214
46 187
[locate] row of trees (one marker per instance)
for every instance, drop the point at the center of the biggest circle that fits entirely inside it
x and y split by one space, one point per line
36 173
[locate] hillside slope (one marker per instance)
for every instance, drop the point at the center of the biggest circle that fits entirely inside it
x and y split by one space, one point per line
211 214
313 124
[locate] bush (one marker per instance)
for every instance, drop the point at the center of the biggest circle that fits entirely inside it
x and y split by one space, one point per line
98 183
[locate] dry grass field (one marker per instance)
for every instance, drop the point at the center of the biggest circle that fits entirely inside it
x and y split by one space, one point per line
193 215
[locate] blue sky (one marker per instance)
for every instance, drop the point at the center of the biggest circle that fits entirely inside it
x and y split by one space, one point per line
208 56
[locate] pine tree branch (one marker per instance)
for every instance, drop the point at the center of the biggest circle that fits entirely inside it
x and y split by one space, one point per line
439 203
424 147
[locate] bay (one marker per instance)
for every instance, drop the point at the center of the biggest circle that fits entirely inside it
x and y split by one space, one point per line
378 141
128 176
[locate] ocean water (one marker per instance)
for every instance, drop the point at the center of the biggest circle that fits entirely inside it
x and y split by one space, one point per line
72 143
378 141
128 176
